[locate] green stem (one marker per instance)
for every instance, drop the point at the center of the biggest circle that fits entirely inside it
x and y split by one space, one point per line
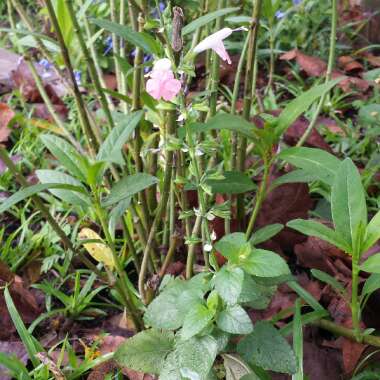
355 306
249 84
90 64
191 251
93 136
330 66
170 129
115 45
259 200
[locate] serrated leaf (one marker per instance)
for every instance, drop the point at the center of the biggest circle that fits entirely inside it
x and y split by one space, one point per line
234 320
265 347
232 183
72 197
230 245
206 19
313 228
146 351
129 186
169 309
265 233
66 154
196 320
263 263
99 251
228 283
111 148
191 359
315 162
140 39
348 203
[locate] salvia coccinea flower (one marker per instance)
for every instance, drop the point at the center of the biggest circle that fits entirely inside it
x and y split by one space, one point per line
162 83
215 42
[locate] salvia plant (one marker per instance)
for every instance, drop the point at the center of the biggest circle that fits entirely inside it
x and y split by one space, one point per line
133 173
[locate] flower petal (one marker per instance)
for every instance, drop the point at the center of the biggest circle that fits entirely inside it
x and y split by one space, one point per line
222 52
212 40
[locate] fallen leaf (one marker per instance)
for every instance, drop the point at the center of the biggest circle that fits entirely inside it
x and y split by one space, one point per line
6 115
352 352
349 64
313 66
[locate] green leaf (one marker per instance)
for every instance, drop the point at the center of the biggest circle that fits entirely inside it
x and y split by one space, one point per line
372 264
298 341
169 309
234 320
372 283
232 183
265 233
110 150
33 190
228 283
15 366
326 278
370 114
227 121
372 233
301 104
315 162
263 263
140 39
313 228
254 294
146 351
31 346
72 197
191 359
206 19
265 347
295 176
236 368
348 203
196 320
305 295
66 154
128 186
229 246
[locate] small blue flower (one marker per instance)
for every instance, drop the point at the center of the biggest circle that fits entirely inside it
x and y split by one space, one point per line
280 14
45 64
109 45
161 6
297 2
78 77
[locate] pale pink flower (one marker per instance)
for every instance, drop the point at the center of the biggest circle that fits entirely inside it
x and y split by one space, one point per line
215 42
162 83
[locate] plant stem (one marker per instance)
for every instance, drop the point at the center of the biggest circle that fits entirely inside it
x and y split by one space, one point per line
115 45
330 66
90 64
170 129
259 200
191 251
355 306
249 82
93 136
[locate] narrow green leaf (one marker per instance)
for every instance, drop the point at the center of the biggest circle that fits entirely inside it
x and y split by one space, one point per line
146 351
33 190
128 186
111 148
306 296
196 320
66 154
313 228
298 341
265 233
372 283
372 233
301 104
232 183
234 320
15 366
227 121
348 203
265 347
206 19
326 278
315 162
140 39
372 264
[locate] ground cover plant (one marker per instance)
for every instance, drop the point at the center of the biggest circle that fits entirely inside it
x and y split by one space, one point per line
189 190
